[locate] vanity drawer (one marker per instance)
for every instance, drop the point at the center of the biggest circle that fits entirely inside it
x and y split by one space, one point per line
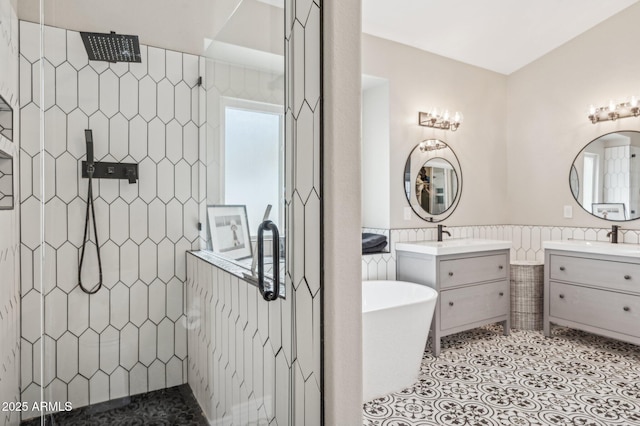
473 269
603 273
471 304
598 308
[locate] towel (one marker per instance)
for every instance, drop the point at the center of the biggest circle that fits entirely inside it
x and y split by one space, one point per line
373 243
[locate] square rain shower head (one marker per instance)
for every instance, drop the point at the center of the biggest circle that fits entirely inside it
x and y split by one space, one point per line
111 47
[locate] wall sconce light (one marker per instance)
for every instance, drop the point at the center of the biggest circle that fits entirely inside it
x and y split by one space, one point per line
615 110
438 120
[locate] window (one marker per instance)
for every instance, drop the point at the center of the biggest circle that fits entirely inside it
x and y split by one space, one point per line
253 152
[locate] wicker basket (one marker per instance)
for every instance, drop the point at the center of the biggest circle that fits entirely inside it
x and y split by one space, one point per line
527 294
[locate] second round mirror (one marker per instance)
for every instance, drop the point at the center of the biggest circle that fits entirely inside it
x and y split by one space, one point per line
432 180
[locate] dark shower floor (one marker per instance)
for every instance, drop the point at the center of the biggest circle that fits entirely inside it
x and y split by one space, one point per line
173 406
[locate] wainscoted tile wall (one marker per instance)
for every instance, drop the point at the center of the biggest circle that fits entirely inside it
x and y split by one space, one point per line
9 227
130 337
526 242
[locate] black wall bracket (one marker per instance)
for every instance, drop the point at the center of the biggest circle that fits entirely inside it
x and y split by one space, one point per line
106 170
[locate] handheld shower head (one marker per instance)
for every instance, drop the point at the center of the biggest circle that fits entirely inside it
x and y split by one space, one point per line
88 136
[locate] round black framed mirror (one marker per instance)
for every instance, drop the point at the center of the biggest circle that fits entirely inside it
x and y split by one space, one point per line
604 178
432 180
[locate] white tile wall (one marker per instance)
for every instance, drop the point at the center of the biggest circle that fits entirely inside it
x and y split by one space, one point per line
229 355
616 174
129 337
9 226
526 242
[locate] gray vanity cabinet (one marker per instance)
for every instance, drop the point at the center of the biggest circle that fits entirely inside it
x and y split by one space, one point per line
593 292
473 289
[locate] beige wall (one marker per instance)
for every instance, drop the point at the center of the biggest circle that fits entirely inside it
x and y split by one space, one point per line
547 118
420 80
342 214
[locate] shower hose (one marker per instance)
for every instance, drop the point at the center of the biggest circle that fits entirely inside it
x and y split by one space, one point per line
86 238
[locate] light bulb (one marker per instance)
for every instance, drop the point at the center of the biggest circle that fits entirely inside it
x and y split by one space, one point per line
592 110
445 115
633 102
435 113
612 106
457 117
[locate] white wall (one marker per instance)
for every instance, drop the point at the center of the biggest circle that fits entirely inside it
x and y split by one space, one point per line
548 102
375 156
10 225
419 81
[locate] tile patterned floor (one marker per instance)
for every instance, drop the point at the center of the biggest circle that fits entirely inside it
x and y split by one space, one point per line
484 378
167 407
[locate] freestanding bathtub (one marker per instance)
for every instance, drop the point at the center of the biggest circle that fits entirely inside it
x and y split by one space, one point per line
396 317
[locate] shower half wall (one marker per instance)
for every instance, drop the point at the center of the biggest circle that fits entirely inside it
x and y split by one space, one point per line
130 337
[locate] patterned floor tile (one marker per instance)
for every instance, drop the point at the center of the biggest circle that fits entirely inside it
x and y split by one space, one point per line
525 379
171 407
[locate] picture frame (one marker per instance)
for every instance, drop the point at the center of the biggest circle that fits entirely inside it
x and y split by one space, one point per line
609 211
228 227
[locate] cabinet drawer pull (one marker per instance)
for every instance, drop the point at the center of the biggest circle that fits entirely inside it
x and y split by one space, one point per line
562 268
450 303
626 309
501 294
627 277
562 296
450 274
500 267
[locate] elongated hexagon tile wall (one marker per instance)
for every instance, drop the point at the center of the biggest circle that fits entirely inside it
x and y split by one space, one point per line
10 249
526 242
114 332
239 344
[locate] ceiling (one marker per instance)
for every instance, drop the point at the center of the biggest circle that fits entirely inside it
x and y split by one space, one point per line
498 35
183 25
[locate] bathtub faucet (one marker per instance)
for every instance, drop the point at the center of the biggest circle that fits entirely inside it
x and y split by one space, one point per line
441 231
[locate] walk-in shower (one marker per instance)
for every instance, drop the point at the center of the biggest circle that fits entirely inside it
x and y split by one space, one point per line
122 144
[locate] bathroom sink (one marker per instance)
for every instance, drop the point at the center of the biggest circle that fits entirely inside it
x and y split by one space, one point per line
453 246
596 247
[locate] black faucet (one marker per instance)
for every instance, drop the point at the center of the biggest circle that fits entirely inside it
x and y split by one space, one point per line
440 232
614 233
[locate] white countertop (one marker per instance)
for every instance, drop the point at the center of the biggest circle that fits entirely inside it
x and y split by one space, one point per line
596 247
453 246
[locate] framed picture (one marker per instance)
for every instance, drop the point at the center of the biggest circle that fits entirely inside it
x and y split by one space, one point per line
229 231
611 211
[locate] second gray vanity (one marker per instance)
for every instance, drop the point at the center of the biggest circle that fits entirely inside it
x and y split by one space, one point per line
470 276
593 286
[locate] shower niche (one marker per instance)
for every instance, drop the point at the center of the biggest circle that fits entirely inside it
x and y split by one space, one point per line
6 119
6 181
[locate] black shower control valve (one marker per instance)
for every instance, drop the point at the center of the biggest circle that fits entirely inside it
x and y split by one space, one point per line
106 170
